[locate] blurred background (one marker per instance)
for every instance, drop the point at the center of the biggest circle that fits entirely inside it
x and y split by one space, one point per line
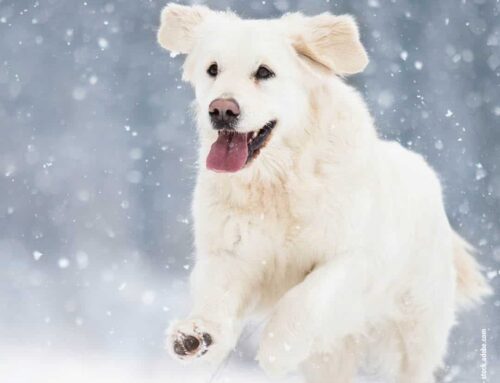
97 165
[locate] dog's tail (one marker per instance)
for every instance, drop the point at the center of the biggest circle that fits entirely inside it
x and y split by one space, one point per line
472 286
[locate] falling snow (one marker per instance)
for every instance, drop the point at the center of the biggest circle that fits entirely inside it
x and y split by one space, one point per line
98 160
63 263
103 43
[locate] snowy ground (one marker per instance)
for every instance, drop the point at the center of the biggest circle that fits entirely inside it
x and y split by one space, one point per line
97 164
28 366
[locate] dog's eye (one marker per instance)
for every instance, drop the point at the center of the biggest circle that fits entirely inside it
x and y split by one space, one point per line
263 73
213 70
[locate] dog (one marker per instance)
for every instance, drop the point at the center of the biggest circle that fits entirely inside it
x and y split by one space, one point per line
303 212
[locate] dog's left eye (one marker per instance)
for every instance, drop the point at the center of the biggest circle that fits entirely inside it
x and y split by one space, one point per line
263 73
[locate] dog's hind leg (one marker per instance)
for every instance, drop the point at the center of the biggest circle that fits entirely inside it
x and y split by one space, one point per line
423 345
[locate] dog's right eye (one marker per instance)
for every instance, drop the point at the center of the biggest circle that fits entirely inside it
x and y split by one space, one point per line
213 70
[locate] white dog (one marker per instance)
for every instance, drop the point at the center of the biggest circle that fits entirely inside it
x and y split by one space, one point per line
300 209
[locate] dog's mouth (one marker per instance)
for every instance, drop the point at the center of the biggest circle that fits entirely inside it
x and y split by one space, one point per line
233 150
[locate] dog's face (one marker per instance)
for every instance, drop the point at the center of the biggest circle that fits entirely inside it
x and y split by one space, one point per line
252 78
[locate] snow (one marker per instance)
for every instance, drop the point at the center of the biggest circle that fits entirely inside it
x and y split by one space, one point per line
82 260
134 177
79 93
439 145
480 172
62 366
103 43
385 99
97 165
63 263
148 297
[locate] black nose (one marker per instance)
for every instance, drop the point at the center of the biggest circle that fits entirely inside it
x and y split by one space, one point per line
223 113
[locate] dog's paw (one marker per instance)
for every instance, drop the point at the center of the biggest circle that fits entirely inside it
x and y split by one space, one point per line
189 339
195 338
189 346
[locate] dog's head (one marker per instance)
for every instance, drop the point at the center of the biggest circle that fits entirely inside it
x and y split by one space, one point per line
253 78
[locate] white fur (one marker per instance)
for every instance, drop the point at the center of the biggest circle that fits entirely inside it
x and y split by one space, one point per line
340 235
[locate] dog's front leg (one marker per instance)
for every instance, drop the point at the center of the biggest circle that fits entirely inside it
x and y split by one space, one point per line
326 306
223 289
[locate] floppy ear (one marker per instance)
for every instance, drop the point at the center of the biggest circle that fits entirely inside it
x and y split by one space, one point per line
177 31
331 41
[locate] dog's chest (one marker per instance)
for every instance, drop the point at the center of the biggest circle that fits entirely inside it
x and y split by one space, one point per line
264 223
282 215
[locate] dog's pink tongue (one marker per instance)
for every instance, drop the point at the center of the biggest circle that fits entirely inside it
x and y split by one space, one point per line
229 153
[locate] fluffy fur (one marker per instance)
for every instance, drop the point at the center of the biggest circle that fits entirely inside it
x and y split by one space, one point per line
340 235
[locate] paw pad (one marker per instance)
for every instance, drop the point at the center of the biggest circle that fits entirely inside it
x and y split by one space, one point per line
192 345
